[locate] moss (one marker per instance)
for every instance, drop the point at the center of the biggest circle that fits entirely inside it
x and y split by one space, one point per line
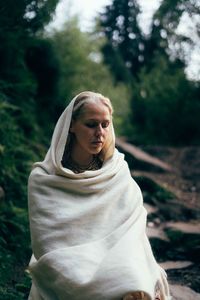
16 157
186 244
153 192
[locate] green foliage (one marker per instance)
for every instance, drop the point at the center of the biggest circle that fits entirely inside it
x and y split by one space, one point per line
25 61
40 74
186 244
165 38
81 69
14 252
128 49
152 192
22 136
46 71
17 24
166 106
125 41
17 153
42 61
27 15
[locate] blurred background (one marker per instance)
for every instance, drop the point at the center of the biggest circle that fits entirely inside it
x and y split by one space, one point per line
143 55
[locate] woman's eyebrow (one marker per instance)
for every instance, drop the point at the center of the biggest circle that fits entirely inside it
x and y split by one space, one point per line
98 120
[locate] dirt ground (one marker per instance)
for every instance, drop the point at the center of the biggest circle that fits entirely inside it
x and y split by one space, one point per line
184 182
184 179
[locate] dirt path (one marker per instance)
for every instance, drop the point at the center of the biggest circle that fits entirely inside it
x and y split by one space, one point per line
184 183
173 225
184 180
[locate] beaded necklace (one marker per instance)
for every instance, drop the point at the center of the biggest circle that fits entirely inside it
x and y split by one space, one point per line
69 163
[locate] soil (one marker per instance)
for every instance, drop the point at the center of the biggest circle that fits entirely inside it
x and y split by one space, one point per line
184 183
184 180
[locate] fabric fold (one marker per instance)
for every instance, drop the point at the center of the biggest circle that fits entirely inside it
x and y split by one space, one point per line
88 229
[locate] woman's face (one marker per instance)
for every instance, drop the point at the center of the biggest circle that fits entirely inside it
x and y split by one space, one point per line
91 130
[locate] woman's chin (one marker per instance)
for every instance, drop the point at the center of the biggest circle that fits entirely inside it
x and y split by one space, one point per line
96 150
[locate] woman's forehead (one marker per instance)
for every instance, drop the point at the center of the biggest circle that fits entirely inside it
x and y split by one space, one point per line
95 109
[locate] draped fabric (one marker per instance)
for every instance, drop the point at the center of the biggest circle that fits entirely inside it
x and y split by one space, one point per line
88 230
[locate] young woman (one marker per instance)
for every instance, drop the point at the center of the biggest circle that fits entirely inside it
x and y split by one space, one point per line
86 213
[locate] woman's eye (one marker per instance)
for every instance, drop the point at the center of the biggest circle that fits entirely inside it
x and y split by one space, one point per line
105 124
95 124
91 125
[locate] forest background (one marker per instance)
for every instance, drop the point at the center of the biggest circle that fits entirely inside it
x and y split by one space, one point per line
40 72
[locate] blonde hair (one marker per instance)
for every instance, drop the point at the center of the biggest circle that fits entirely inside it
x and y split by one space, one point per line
79 108
86 98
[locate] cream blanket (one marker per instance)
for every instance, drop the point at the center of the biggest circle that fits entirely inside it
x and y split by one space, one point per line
88 230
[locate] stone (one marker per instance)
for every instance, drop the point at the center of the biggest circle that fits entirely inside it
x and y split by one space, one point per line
156 232
184 227
180 292
150 208
141 159
168 265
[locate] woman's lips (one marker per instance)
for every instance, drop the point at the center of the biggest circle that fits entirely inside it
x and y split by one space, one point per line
97 142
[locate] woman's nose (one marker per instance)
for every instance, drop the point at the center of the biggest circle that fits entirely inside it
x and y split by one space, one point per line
99 130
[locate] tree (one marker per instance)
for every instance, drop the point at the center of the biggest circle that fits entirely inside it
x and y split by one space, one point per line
125 40
18 23
26 59
21 138
81 68
164 35
165 106
158 60
42 61
128 44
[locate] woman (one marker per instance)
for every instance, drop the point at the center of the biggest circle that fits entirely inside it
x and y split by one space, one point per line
87 218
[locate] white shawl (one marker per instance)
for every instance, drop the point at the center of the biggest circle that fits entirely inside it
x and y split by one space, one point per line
88 230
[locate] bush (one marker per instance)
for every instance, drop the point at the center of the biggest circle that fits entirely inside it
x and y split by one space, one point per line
166 106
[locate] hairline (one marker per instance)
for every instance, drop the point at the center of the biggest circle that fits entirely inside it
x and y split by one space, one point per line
91 99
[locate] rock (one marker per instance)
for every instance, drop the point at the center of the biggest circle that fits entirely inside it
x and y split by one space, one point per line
156 232
180 292
141 159
150 208
188 276
184 227
168 265
172 209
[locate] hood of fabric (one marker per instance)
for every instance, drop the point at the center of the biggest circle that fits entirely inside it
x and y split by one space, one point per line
52 162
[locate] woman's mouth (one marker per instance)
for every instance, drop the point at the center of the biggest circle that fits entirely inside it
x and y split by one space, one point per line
97 142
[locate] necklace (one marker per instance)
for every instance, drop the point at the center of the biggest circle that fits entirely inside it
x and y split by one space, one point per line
69 163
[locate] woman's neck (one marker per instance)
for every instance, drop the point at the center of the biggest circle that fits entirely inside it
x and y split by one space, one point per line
79 162
80 157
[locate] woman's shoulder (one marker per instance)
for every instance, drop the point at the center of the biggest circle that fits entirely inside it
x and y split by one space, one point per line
36 173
